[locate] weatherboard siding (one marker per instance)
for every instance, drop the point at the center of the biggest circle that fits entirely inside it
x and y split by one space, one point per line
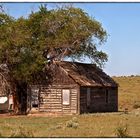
83 99
51 100
99 101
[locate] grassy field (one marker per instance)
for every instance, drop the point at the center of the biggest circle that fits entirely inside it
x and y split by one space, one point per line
88 125
129 92
121 124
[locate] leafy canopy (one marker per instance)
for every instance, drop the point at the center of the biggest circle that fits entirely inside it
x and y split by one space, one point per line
26 45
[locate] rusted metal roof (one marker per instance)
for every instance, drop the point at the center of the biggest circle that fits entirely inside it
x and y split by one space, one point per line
87 74
83 74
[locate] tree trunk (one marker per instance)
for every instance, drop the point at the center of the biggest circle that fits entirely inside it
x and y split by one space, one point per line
19 91
15 97
22 97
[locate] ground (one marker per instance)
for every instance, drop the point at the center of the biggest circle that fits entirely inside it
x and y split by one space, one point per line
125 123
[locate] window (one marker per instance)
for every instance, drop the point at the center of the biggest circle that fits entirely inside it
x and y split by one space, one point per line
106 96
66 96
88 97
34 97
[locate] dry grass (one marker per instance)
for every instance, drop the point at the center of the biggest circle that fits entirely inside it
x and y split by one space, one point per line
89 125
86 125
129 92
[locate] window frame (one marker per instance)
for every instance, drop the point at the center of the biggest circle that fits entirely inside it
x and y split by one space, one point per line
68 100
35 91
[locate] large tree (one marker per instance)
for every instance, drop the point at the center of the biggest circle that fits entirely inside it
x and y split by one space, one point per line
27 44
68 32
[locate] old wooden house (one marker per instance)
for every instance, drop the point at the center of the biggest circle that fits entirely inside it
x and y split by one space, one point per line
73 88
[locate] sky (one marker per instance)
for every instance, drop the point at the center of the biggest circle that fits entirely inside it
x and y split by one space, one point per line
120 20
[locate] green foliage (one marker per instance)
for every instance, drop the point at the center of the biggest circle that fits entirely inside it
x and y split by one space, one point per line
70 32
17 51
26 44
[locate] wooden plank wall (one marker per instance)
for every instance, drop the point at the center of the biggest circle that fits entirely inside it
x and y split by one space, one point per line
113 99
98 100
50 99
83 100
50 94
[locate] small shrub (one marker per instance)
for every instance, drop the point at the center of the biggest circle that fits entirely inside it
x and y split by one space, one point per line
75 125
126 110
132 75
72 123
136 105
69 123
74 119
21 133
122 132
59 126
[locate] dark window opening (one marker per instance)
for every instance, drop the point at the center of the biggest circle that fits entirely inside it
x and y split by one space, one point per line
35 97
34 105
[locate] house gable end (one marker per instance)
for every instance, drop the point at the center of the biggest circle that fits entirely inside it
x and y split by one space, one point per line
60 76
